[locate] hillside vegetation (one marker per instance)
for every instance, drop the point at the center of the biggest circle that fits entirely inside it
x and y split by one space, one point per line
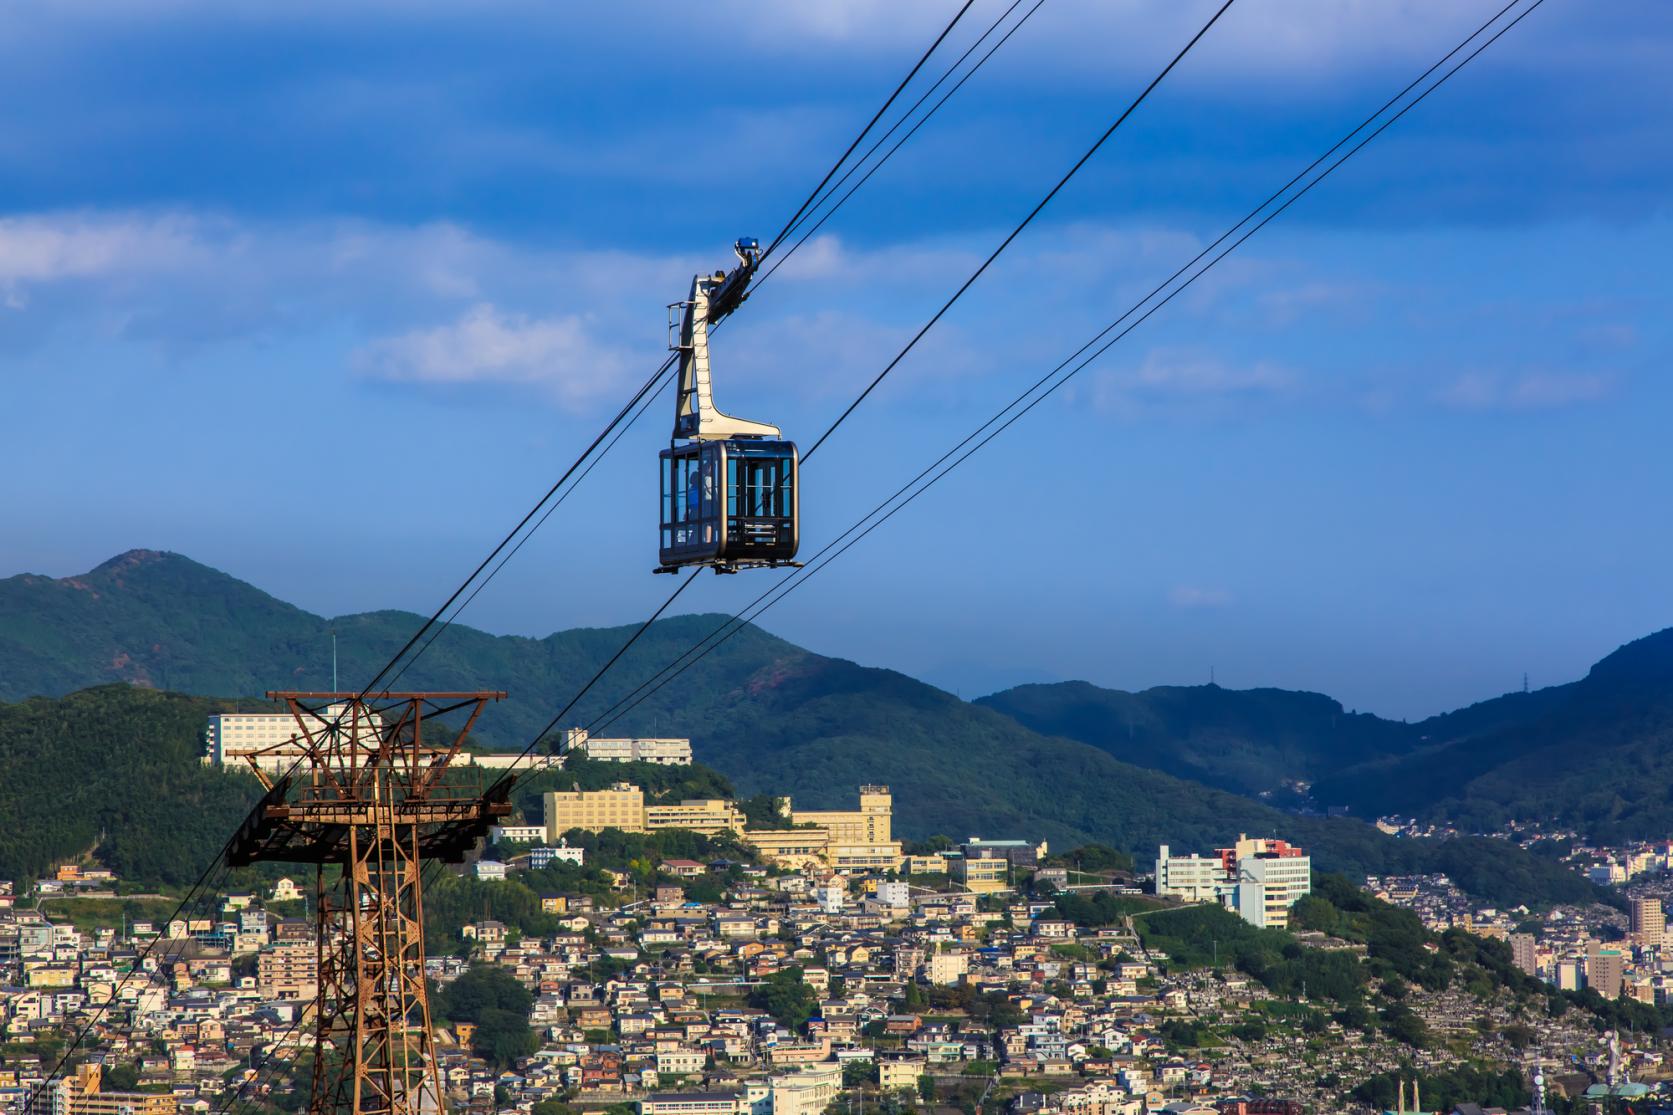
114 771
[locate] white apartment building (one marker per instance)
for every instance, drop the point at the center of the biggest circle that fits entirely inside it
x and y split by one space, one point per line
518 834
230 735
1193 878
1268 885
663 752
1259 879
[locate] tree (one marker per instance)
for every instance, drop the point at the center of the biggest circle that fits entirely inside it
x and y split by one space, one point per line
926 1088
491 997
787 998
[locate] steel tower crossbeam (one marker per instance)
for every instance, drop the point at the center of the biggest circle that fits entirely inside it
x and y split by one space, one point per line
366 796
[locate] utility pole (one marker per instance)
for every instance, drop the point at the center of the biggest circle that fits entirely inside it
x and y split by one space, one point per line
359 791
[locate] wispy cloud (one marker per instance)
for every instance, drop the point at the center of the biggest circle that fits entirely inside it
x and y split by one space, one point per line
1198 596
1188 380
1489 391
488 346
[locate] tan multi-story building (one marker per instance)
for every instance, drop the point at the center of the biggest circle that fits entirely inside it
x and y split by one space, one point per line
982 874
1605 971
946 968
622 806
858 839
869 824
80 1095
288 971
791 848
710 815
1649 922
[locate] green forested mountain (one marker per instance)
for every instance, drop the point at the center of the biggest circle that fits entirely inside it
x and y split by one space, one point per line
1596 754
1250 741
115 772
770 715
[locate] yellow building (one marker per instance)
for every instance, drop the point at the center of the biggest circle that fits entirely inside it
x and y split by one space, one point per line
80 1095
711 816
982 874
791 848
867 825
853 840
622 806
289 971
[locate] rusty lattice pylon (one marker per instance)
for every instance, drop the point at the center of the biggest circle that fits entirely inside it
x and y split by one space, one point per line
358 793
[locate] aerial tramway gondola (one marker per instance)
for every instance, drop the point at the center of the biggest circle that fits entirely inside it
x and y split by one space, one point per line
729 485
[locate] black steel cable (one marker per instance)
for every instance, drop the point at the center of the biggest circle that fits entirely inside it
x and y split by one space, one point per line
521 523
666 365
648 389
1017 231
790 584
843 200
783 588
605 452
1026 221
192 893
905 116
870 124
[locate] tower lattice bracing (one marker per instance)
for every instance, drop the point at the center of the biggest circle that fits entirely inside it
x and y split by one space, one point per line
368 802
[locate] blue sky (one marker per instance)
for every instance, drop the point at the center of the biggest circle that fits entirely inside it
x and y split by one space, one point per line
325 296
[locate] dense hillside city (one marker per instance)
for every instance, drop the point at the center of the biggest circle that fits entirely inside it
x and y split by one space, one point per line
1245 686
636 935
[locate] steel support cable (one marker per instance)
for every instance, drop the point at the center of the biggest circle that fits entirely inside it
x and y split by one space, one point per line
1026 221
904 117
843 200
666 365
1017 231
524 521
647 388
436 617
555 504
870 124
790 583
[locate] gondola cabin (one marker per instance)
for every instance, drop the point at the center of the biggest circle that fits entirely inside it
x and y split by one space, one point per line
729 486
729 504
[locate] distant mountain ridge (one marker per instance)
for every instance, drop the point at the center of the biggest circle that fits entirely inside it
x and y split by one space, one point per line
1250 741
1595 755
769 714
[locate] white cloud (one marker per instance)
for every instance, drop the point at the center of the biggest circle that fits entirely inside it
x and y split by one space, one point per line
488 346
1187 379
1485 391
39 249
1196 596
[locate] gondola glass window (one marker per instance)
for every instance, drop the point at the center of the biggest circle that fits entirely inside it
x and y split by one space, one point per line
732 501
